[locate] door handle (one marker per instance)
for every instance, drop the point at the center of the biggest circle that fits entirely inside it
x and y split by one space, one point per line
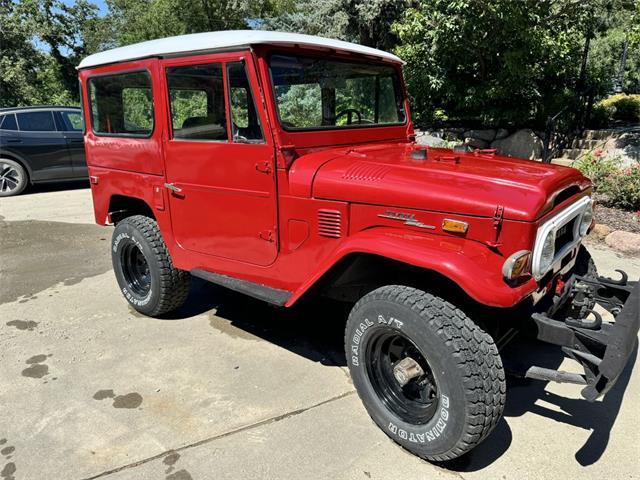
14 140
173 188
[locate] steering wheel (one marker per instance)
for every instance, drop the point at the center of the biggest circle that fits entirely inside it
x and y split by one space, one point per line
349 113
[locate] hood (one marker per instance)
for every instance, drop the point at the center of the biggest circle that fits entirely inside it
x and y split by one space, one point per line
445 181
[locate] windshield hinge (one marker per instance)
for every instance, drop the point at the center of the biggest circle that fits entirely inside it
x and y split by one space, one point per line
498 218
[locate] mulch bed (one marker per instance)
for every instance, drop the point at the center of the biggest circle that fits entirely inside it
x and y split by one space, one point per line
618 219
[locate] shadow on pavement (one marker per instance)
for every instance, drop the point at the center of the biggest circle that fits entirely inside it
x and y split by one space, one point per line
56 186
316 331
312 330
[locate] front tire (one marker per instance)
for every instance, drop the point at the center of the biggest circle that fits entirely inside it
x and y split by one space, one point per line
429 377
13 178
144 270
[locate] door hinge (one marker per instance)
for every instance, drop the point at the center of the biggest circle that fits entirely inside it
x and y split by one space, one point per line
264 167
267 235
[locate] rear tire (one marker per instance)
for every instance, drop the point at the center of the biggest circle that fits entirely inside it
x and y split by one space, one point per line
456 396
13 178
144 270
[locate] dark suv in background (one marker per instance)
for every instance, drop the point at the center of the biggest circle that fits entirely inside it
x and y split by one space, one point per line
40 144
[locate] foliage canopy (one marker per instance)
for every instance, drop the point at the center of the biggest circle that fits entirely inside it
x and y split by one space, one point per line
497 62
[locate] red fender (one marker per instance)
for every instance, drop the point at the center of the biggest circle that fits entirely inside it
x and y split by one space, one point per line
471 265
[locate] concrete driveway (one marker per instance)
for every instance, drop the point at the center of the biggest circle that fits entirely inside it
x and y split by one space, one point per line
229 388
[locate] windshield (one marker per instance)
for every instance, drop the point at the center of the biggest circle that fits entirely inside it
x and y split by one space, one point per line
314 93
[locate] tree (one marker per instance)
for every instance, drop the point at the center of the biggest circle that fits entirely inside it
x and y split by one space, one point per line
42 41
497 61
131 21
19 59
367 22
620 39
62 28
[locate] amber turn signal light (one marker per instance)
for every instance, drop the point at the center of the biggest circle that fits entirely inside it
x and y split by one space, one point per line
517 266
454 226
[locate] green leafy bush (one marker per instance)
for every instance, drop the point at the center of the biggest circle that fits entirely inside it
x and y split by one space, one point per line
621 107
597 168
623 188
619 187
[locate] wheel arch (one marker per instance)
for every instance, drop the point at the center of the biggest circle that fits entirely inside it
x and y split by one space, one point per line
123 206
19 159
456 264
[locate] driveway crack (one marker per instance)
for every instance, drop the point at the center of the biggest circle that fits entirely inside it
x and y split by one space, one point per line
244 428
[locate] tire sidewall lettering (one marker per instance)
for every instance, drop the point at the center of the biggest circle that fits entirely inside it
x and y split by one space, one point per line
363 327
116 245
404 433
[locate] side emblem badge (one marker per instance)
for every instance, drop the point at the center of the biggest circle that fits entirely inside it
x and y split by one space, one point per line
408 219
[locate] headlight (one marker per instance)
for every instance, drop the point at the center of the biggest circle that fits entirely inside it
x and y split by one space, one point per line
585 221
548 251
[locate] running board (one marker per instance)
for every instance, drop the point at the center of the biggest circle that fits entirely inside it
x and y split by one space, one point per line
255 290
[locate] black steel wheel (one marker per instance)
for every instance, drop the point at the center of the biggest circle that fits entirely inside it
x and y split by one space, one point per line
428 376
401 376
135 269
144 269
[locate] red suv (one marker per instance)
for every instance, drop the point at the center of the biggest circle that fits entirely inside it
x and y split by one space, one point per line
283 166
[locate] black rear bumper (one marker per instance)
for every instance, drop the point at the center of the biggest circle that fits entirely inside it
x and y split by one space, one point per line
602 348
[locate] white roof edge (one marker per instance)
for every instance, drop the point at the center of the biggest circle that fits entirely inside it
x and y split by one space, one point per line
198 42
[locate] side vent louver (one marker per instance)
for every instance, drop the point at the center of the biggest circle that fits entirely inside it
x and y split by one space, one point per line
329 223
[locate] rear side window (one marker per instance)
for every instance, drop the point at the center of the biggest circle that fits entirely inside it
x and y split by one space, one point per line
72 121
196 95
8 122
121 104
36 122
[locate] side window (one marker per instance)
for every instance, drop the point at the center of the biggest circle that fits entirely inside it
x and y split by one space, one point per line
8 122
196 95
36 122
121 104
72 121
245 123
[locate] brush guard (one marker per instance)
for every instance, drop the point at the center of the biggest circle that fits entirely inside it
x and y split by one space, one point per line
602 348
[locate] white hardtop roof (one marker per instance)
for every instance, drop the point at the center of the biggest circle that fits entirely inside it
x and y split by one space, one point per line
202 42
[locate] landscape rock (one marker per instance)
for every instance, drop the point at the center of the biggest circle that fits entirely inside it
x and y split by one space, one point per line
425 138
626 242
476 142
501 133
486 135
522 144
601 230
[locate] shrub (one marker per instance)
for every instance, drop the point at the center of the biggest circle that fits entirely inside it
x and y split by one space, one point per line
620 187
621 107
623 188
597 168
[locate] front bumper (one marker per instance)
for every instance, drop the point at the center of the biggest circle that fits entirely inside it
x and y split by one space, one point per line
602 348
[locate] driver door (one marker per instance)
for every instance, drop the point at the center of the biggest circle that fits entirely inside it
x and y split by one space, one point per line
219 162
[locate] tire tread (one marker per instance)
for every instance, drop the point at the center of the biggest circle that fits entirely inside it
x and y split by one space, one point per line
483 374
174 283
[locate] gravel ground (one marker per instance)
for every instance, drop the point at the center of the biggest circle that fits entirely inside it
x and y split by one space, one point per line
618 219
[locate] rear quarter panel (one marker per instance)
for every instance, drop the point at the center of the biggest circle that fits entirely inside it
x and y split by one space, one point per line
142 155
